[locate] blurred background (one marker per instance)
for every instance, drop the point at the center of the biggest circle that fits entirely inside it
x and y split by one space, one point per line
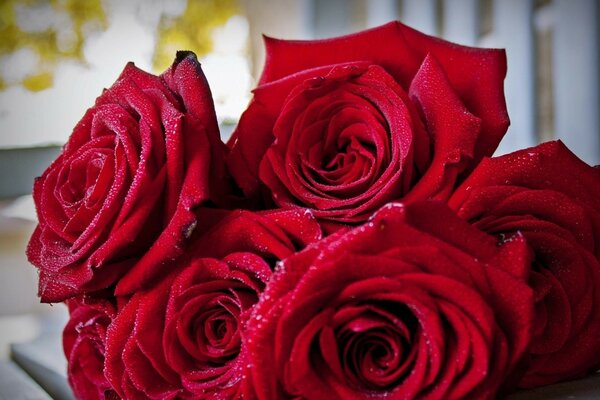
57 55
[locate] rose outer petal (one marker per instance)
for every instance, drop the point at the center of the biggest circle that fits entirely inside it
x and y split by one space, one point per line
551 197
453 129
202 152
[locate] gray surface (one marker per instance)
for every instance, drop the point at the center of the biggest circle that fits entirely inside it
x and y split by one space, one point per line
19 166
16 385
582 389
43 360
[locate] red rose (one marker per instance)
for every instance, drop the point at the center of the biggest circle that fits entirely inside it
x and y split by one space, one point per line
183 338
343 126
127 181
553 199
402 307
84 343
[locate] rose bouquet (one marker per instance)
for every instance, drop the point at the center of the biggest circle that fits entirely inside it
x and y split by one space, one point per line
354 239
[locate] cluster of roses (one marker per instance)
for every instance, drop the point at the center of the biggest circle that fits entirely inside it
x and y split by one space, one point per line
354 239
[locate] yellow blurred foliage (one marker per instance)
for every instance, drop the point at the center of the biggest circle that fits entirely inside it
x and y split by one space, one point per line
48 44
37 82
192 30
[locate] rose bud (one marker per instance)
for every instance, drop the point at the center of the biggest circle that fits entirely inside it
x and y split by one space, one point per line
184 338
84 343
342 126
553 199
122 192
402 307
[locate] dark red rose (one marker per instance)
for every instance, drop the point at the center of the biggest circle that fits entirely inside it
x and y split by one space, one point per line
84 343
553 199
183 338
343 126
127 181
402 307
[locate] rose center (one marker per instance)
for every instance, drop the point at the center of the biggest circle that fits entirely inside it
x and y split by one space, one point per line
219 329
346 149
215 330
377 347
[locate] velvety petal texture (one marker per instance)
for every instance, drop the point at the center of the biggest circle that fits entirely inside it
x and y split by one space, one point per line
84 344
121 195
344 125
402 307
553 199
183 338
